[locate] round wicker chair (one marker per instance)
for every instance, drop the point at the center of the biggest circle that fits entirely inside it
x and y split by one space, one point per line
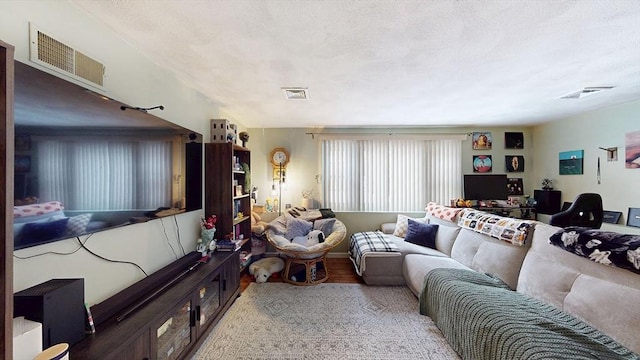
298 257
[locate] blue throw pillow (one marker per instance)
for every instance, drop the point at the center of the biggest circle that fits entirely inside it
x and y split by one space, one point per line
42 232
421 234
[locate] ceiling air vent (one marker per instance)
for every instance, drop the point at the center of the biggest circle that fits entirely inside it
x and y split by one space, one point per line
586 91
55 55
296 93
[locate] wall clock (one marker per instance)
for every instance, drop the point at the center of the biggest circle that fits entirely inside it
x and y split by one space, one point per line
279 157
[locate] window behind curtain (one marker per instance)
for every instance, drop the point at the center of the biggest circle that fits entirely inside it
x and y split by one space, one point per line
390 175
114 175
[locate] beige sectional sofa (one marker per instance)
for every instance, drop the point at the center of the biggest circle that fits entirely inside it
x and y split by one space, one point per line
605 297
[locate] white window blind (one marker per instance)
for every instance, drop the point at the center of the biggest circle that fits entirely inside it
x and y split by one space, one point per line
390 175
105 175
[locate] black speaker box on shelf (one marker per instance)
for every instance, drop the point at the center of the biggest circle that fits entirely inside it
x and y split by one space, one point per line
548 201
58 305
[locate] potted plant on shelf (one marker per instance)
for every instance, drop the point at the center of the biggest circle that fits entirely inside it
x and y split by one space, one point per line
547 184
207 244
307 198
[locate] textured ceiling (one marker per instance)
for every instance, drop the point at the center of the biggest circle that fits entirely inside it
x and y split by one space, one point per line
390 63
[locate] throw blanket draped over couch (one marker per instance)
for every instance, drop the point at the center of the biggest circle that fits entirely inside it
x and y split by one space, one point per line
499 323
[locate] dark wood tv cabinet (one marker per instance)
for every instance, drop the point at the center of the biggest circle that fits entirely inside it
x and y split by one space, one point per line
171 325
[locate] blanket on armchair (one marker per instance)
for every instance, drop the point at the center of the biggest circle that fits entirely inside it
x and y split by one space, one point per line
483 319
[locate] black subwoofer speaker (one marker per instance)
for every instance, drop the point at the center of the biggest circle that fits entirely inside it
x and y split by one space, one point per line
58 305
193 177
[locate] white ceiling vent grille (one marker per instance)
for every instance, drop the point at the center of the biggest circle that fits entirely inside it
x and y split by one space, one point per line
55 55
585 92
296 93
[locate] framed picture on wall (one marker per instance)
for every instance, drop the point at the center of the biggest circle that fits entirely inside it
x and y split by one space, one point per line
611 217
632 150
513 140
482 163
514 186
481 140
22 163
514 163
570 162
633 218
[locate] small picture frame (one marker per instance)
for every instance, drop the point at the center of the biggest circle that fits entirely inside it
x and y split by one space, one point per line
633 218
239 190
481 140
611 217
514 186
482 163
513 140
514 163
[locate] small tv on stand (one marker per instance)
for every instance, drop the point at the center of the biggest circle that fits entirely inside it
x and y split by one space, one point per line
485 187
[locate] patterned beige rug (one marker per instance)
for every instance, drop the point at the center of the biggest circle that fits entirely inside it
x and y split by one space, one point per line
325 321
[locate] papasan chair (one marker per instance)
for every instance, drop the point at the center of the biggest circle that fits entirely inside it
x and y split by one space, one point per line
305 265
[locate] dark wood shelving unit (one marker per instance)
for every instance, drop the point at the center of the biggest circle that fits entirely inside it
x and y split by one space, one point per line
221 196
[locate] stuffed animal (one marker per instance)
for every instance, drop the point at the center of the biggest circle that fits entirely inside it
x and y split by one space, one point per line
257 225
263 268
312 238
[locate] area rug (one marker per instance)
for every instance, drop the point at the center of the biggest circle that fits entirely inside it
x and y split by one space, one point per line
325 321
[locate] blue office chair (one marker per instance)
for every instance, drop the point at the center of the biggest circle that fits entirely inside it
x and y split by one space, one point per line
586 210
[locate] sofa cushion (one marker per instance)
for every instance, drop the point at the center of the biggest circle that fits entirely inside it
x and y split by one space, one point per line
545 280
324 225
591 299
416 266
297 227
420 233
445 237
402 224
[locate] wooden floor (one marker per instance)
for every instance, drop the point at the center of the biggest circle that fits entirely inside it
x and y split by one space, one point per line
340 271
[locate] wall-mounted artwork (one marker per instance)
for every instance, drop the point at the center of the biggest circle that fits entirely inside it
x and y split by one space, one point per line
513 140
481 140
22 143
514 186
22 163
482 163
611 217
570 162
633 217
632 150
514 163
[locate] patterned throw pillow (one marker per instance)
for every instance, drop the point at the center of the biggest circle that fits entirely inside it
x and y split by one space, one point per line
514 231
442 212
422 234
78 224
402 225
37 209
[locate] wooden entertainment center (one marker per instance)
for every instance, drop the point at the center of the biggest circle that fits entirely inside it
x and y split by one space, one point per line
166 315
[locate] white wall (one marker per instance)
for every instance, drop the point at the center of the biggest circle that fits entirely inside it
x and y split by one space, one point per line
619 187
132 79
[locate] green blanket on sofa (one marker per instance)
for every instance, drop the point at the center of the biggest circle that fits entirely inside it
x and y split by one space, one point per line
482 319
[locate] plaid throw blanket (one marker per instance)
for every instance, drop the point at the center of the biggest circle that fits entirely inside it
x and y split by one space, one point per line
367 244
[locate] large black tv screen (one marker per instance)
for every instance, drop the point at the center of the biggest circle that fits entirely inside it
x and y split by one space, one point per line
82 164
485 187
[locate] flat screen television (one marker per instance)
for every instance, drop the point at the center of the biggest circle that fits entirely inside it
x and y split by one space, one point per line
83 164
485 187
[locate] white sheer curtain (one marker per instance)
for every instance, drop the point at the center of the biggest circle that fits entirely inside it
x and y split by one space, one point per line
105 175
390 175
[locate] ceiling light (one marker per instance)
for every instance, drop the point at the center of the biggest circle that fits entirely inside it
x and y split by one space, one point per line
590 90
296 93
